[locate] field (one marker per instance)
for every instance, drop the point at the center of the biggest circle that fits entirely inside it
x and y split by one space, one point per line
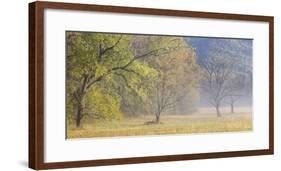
204 121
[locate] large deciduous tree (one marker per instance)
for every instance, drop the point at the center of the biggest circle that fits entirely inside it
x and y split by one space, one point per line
104 61
176 75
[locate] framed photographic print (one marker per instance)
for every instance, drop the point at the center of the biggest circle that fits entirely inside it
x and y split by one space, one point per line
119 85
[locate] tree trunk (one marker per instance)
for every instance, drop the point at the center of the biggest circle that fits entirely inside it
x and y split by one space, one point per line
157 119
79 108
232 107
218 110
79 115
79 95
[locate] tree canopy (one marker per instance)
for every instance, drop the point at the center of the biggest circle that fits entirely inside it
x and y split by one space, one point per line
111 75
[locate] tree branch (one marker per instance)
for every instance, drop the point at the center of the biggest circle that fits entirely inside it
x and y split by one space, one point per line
103 51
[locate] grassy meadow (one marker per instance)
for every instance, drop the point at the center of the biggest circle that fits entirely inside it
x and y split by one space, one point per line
204 121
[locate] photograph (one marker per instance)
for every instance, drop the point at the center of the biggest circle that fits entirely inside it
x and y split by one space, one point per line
121 84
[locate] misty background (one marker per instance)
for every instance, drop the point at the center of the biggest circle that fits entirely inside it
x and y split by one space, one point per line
240 50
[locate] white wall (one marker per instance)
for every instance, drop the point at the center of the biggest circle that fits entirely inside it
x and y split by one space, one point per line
14 85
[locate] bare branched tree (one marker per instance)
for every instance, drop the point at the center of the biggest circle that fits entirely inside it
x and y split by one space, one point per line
176 77
166 97
236 86
216 72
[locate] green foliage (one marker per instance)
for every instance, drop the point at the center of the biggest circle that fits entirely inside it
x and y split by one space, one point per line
111 75
91 58
87 53
177 76
102 105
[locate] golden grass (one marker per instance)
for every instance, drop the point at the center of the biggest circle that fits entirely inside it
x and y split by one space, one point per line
170 124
